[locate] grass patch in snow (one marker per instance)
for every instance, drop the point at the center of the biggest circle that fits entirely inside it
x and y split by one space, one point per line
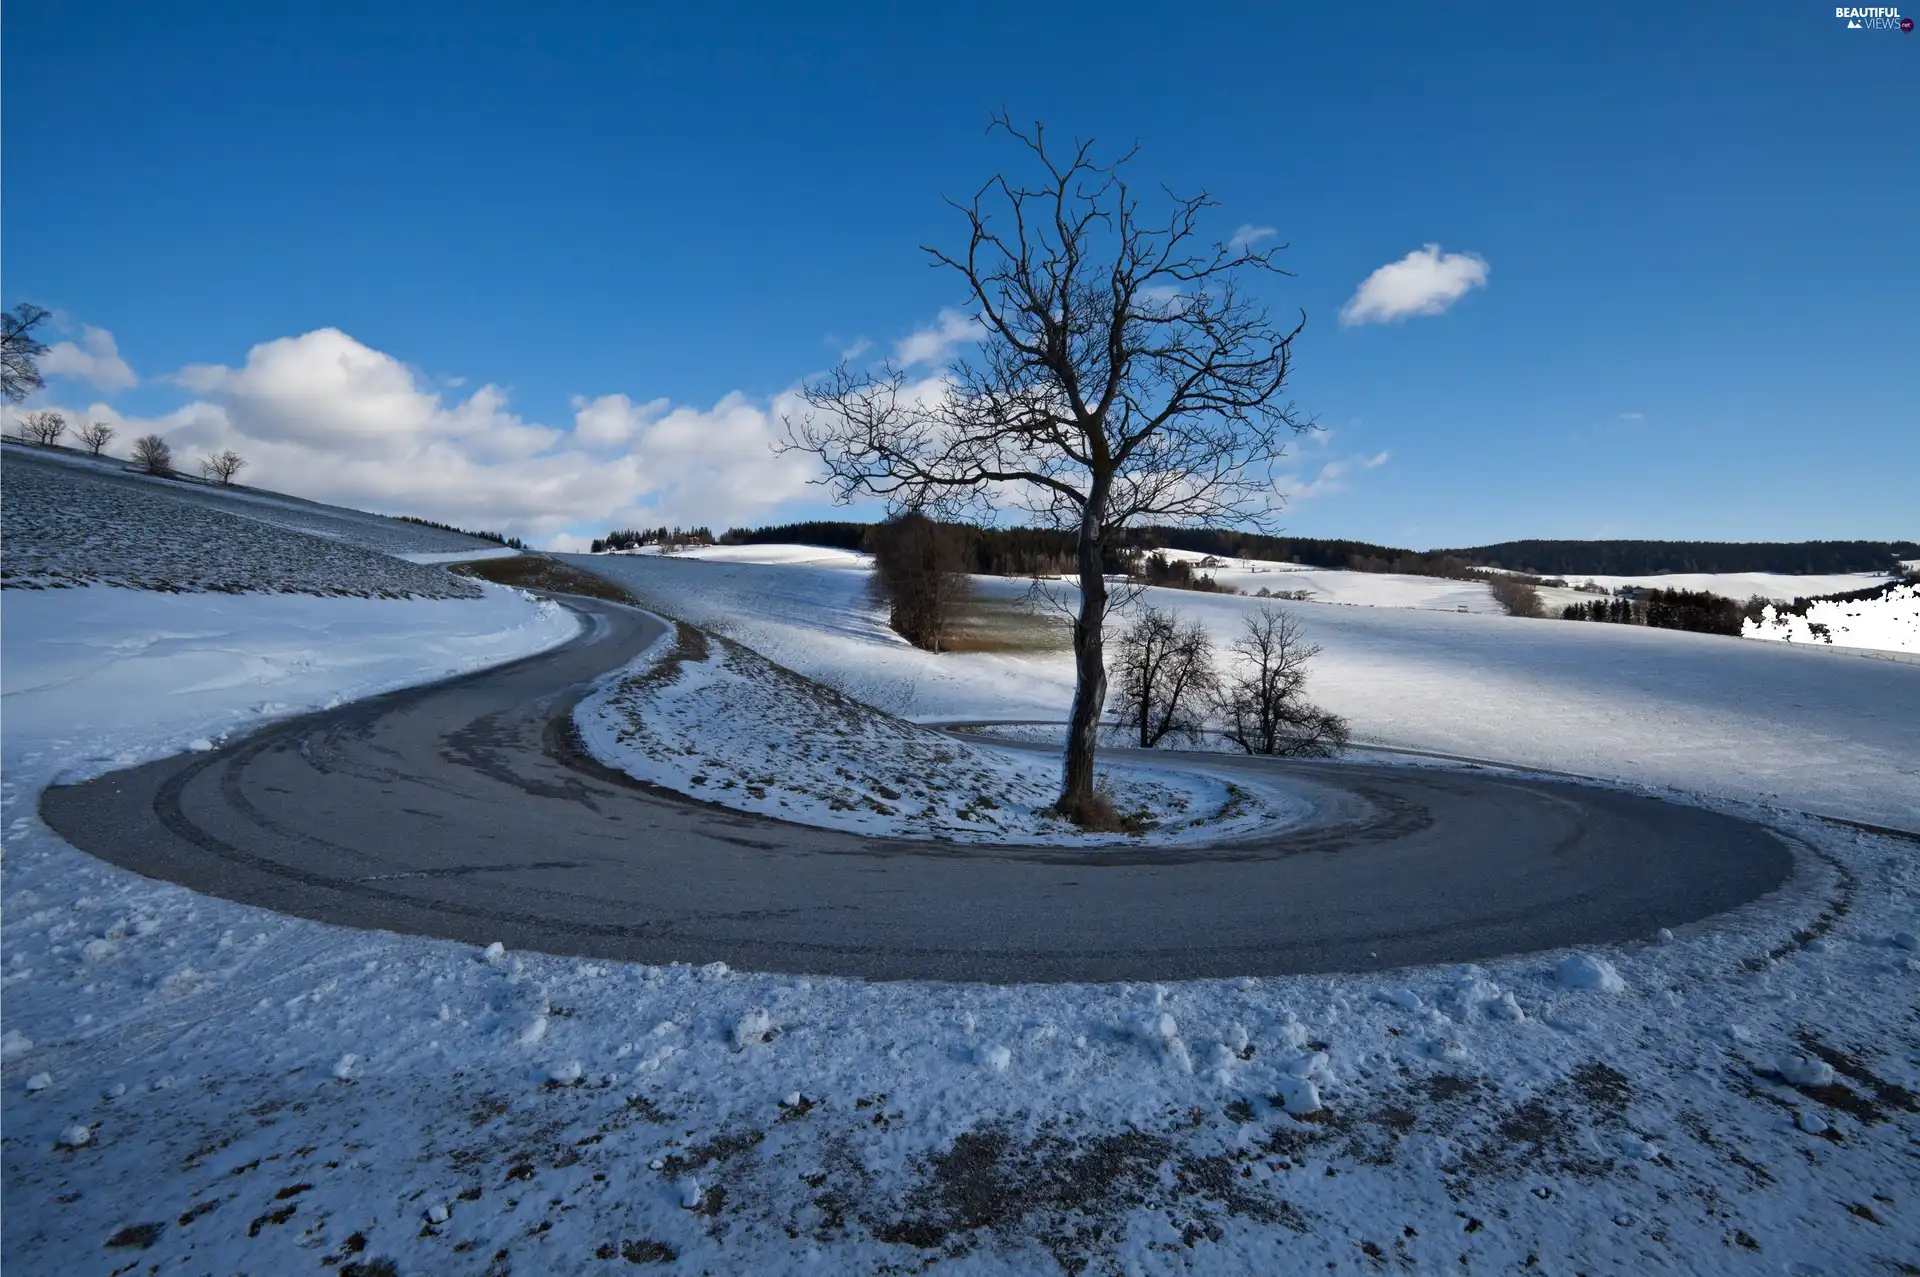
719 722
538 572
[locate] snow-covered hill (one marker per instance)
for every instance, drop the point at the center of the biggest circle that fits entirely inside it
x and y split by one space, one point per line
706 717
72 522
1698 712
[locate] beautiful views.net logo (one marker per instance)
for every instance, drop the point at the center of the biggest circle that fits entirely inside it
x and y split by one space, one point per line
1874 20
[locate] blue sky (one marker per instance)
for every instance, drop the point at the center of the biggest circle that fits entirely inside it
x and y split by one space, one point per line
394 253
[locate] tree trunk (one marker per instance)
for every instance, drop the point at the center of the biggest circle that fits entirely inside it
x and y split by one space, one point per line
1090 672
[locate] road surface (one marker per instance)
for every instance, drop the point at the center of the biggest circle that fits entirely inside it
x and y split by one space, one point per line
464 809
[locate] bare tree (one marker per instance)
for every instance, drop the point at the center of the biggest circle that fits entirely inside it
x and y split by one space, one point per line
1166 675
20 351
151 453
1123 374
95 436
1262 705
44 428
222 465
920 570
1516 594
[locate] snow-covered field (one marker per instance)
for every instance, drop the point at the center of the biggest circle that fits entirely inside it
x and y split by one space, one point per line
1741 586
1755 722
1889 623
96 678
1334 585
295 514
704 716
71 523
192 1085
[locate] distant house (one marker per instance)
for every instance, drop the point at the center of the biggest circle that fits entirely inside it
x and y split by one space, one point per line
1211 562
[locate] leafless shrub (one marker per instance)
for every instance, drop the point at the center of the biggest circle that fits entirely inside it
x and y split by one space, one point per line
1164 674
223 465
96 436
919 569
43 428
151 453
1263 707
1516 594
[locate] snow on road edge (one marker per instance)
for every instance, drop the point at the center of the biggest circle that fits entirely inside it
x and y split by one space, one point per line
721 723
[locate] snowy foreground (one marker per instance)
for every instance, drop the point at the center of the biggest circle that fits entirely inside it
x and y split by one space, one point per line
703 716
192 1085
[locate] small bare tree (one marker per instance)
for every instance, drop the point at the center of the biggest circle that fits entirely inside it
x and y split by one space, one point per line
20 351
919 568
151 453
1124 374
1262 704
1516 594
1166 676
95 436
44 428
222 465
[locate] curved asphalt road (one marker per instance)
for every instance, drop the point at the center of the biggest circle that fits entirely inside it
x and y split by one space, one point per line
463 810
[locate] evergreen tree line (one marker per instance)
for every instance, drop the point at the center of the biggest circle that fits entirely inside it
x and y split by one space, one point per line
514 543
1030 551
1651 558
1700 611
671 538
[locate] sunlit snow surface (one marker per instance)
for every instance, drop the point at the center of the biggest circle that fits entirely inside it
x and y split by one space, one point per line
209 1087
1757 722
720 722
1889 623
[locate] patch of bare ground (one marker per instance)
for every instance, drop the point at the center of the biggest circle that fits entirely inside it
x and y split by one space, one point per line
538 572
1006 625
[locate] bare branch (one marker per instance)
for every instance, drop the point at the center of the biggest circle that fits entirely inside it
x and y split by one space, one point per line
1126 374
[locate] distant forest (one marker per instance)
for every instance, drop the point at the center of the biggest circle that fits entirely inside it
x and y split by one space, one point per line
1023 551
1646 558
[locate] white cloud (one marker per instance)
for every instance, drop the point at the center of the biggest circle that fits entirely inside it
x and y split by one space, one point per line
936 345
323 416
612 419
1424 282
1249 235
1332 477
96 359
1633 416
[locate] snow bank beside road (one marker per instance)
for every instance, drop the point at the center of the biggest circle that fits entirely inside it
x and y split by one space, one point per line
719 722
97 677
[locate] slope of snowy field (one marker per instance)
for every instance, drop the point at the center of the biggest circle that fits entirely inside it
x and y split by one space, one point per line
704 716
73 524
462 556
1335 585
1757 722
790 555
1742 585
296 514
1889 623
96 678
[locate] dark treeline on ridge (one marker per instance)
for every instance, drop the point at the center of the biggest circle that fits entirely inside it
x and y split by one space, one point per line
1649 558
497 538
1024 551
